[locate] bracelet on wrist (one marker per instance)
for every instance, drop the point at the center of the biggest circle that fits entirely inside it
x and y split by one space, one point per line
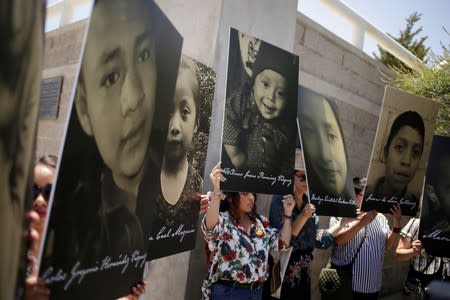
216 194
287 217
396 230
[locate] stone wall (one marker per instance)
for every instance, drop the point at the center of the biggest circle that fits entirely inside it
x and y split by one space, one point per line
62 54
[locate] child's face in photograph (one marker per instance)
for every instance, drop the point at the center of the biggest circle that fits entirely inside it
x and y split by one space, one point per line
269 90
119 76
182 124
403 157
323 143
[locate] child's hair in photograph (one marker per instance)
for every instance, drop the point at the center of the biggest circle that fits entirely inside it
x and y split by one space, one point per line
188 65
408 118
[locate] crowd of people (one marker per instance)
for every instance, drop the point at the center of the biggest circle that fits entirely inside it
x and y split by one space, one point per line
240 241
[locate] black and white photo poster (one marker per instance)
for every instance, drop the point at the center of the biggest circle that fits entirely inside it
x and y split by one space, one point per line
21 48
95 247
259 130
174 192
400 153
325 152
434 232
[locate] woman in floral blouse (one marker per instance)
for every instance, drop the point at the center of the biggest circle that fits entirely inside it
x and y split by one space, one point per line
239 241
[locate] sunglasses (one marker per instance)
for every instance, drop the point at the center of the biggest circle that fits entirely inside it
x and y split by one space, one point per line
302 177
45 191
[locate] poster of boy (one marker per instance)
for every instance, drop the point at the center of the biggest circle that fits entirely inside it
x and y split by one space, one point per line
259 130
434 227
174 192
94 247
400 153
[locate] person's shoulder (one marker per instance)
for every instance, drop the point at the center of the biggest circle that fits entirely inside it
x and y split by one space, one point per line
264 220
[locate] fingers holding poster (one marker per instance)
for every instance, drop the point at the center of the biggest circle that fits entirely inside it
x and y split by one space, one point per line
434 227
325 152
114 135
173 192
400 153
259 134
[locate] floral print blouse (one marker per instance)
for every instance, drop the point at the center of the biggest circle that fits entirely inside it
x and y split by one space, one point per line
237 256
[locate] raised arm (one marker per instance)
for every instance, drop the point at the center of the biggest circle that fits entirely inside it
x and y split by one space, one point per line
393 235
286 230
345 233
407 250
212 214
307 212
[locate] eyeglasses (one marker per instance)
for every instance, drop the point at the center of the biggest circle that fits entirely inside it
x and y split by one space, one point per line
302 177
45 191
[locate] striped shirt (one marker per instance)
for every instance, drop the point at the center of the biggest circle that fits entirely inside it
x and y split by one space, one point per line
420 263
368 265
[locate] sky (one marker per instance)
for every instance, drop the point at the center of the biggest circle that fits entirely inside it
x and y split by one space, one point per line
387 15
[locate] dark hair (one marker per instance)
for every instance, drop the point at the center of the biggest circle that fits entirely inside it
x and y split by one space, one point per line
48 160
233 199
408 118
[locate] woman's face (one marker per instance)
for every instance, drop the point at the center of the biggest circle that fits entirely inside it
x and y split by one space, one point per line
403 157
300 181
182 124
323 143
43 181
246 202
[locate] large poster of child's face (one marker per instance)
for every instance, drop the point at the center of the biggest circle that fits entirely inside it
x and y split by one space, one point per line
21 50
174 191
94 247
259 130
325 152
435 214
400 154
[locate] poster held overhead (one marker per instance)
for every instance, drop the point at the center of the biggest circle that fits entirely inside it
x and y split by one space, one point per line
325 151
94 247
21 52
173 195
259 132
434 230
400 154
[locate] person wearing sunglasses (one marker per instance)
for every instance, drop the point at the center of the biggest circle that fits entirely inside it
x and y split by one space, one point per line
306 236
44 175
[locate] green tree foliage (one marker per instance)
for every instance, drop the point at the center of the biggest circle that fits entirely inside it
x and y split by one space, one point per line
433 83
409 39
